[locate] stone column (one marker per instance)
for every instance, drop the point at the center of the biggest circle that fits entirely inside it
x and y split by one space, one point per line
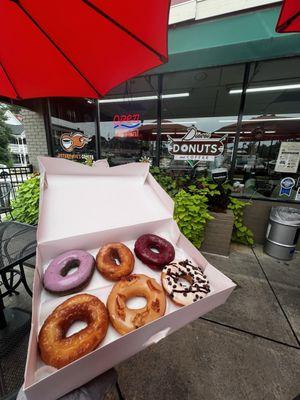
35 135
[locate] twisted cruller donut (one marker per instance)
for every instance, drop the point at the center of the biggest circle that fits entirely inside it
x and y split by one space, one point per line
195 288
106 261
125 319
144 246
58 350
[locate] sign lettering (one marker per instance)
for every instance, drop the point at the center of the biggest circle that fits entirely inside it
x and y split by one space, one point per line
196 145
126 117
127 121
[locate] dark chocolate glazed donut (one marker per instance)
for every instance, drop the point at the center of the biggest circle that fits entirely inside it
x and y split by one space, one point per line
155 260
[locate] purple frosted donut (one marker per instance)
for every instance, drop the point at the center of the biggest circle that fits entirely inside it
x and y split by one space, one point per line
56 279
144 246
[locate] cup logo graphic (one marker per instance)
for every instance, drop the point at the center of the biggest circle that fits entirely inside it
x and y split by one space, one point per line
72 141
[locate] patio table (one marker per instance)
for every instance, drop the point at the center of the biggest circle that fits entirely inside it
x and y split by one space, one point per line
17 245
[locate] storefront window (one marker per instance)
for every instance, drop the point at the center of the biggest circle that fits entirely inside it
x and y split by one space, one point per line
202 105
73 129
128 121
199 106
269 148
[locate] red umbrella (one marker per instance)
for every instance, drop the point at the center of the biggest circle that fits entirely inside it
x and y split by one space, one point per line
78 48
289 19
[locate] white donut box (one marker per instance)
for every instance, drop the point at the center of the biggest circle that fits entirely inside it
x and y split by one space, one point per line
84 207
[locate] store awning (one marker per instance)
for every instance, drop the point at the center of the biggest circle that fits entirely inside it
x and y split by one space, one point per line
239 38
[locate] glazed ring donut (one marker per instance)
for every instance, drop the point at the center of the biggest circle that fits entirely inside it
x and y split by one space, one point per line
56 278
58 350
125 319
143 250
106 261
195 288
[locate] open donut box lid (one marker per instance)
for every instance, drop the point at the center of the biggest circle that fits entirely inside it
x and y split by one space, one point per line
85 207
78 199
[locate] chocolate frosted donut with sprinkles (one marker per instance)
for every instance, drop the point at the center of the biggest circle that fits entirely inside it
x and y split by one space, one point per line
184 282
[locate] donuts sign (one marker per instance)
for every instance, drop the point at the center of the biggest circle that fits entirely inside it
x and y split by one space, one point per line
196 145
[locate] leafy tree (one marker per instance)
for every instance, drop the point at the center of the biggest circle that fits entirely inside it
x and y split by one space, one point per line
15 109
5 138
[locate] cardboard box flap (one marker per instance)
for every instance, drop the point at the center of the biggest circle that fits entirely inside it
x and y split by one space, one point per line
84 199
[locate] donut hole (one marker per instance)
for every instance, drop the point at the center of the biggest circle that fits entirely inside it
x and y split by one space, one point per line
75 327
185 281
75 322
154 249
70 268
115 257
136 302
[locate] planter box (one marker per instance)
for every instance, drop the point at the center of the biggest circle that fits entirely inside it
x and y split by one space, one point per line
218 234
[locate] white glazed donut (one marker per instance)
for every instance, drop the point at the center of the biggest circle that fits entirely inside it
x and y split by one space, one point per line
192 286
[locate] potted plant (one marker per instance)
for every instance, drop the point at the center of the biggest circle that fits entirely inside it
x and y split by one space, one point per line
206 213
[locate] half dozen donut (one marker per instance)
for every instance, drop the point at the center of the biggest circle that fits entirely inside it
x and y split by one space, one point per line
181 280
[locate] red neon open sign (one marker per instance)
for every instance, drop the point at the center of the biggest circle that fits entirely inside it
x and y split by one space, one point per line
126 117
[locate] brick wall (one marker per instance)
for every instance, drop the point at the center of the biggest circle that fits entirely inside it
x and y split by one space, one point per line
35 135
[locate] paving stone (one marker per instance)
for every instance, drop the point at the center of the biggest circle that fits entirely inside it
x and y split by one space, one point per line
252 306
207 361
284 277
23 300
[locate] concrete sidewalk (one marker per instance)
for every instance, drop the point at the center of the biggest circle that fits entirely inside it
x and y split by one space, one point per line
246 349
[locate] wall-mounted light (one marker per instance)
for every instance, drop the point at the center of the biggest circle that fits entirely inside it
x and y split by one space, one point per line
175 95
266 89
243 132
261 120
179 122
144 98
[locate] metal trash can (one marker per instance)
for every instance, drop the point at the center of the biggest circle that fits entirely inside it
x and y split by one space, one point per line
283 232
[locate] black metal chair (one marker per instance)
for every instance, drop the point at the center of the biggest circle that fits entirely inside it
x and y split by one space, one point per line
5 207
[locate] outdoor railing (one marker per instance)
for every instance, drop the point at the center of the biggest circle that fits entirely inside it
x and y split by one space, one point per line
14 177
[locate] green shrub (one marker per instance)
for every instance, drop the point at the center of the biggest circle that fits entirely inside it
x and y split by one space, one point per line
26 204
165 181
195 198
240 234
191 214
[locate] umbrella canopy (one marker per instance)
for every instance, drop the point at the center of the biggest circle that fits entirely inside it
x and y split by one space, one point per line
289 19
78 48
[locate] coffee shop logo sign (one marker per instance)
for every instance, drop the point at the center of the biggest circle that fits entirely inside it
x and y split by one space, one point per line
73 140
196 145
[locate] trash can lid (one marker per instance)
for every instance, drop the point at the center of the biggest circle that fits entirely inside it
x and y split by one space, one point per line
285 215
